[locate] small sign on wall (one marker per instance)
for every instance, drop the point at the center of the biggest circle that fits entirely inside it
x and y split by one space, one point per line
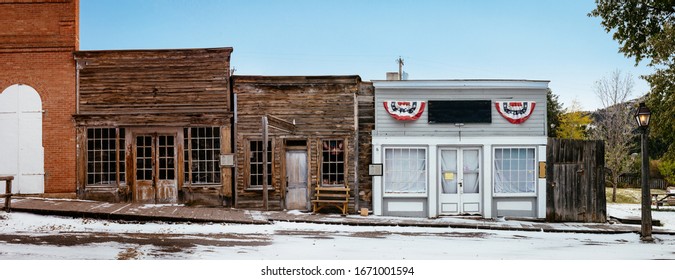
375 169
542 170
227 160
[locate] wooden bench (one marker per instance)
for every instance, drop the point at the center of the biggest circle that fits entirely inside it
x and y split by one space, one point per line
331 196
8 191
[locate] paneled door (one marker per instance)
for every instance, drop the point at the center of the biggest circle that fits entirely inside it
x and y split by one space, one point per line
155 158
21 151
460 181
296 180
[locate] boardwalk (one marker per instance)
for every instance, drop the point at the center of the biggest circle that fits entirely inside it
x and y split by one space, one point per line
180 213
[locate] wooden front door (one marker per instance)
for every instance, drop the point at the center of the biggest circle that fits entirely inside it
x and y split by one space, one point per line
460 183
155 158
296 180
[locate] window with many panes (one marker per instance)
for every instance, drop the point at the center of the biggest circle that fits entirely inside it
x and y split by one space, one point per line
105 156
255 152
405 170
333 162
514 170
202 155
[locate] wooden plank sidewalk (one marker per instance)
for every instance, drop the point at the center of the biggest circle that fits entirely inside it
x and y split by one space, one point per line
180 213
131 211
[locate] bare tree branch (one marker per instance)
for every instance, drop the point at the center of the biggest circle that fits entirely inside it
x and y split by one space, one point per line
614 123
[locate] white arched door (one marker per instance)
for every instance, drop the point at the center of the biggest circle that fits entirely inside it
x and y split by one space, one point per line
21 151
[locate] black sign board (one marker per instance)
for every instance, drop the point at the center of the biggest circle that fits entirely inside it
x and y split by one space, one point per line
460 111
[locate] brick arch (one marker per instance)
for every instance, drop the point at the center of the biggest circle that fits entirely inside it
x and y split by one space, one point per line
36 84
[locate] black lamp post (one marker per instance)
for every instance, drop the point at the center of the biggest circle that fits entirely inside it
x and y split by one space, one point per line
642 117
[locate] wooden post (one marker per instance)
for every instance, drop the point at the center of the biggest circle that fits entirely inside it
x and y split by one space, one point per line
8 191
264 160
8 199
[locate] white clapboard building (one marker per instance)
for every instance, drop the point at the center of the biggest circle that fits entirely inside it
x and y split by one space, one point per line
457 147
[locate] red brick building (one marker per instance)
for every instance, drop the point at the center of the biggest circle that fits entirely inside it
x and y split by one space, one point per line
37 41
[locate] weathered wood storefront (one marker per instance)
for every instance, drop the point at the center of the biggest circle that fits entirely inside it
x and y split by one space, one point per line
312 138
154 126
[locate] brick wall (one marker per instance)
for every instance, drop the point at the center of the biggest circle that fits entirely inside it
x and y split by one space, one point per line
37 40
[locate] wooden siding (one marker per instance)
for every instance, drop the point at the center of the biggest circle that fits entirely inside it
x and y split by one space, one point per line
322 107
575 181
155 91
366 119
154 81
534 126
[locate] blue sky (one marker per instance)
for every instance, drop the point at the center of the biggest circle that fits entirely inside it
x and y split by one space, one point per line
519 39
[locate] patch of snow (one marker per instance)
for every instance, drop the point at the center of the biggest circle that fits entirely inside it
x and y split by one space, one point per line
308 241
296 212
256 215
148 206
665 214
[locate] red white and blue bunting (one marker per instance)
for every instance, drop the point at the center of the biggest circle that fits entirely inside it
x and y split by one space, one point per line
405 110
516 112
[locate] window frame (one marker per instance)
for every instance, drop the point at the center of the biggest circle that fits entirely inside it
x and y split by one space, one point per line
535 171
270 169
188 173
424 194
119 161
345 157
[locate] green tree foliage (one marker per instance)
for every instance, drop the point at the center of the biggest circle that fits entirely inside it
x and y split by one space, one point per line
573 123
661 101
667 169
645 30
553 113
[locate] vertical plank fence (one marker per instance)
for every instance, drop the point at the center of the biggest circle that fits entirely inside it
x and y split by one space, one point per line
575 185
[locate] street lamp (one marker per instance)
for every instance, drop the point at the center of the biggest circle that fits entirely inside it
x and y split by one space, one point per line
642 117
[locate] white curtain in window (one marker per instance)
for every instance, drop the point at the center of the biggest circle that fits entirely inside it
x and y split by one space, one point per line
449 171
470 171
405 170
514 170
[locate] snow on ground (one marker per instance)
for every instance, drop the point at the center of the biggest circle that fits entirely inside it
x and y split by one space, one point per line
666 214
30 236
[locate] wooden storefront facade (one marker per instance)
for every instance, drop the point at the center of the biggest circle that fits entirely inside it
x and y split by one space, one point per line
153 126
318 146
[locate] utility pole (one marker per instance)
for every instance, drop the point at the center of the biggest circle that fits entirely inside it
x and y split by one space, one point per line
400 68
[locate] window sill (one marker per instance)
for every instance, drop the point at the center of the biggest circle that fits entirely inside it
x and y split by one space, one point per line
259 189
113 185
411 195
201 186
534 194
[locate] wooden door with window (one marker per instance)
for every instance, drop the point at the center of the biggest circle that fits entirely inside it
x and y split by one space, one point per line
459 182
155 172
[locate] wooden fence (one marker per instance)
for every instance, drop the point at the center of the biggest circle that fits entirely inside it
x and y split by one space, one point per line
575 185
634 181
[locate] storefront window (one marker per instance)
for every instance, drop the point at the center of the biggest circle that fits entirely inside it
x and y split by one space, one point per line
256 164
333 162
514 170
104 156
202 149
405 170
